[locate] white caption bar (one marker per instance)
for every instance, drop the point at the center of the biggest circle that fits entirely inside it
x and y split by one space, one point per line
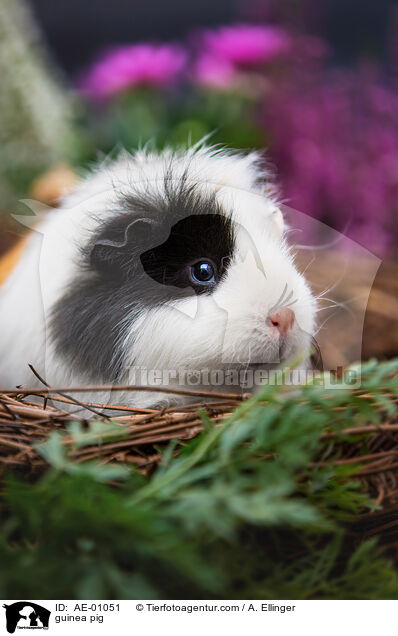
193 618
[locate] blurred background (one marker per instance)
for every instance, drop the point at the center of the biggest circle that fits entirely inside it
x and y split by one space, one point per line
313 82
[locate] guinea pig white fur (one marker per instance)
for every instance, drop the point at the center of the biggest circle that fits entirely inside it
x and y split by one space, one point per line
162 262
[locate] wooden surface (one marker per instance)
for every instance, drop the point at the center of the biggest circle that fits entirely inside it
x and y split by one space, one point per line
364 323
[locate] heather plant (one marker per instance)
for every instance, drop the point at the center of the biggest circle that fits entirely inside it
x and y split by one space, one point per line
334 138
332 135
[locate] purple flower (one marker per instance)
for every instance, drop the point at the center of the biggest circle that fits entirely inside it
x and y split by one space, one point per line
244 44
334 140
133 65
213 72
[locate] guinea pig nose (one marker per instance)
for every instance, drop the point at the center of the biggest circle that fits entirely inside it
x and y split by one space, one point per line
283 320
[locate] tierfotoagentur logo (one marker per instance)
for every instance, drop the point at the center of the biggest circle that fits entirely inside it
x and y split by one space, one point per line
26 615
245 378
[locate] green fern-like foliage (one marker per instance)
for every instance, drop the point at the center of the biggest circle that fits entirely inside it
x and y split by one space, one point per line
253 508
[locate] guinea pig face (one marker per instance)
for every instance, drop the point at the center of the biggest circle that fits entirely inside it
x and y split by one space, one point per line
190 270
249 305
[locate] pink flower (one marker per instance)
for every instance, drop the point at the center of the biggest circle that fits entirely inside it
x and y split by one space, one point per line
245 44
133 65
334 140
214 72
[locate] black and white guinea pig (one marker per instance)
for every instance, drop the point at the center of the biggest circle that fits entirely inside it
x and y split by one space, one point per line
168 261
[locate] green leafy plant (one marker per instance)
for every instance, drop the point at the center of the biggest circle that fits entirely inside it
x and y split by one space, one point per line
252 508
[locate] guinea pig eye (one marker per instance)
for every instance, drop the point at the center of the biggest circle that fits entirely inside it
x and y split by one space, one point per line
203 272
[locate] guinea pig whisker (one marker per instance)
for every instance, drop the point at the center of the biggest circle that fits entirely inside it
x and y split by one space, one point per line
325 291
318 361
342 304
322 298
324 308
334 285
308 265
324 323
346 302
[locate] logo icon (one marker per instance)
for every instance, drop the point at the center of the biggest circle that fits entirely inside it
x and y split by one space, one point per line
26 615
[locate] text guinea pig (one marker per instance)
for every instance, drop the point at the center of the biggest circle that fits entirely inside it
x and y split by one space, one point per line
166 262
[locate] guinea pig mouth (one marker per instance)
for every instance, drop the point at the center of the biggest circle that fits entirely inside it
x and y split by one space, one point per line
270 360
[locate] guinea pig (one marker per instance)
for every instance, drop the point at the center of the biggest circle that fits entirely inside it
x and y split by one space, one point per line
169 263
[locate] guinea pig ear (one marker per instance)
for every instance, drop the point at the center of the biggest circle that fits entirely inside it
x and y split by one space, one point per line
121 249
